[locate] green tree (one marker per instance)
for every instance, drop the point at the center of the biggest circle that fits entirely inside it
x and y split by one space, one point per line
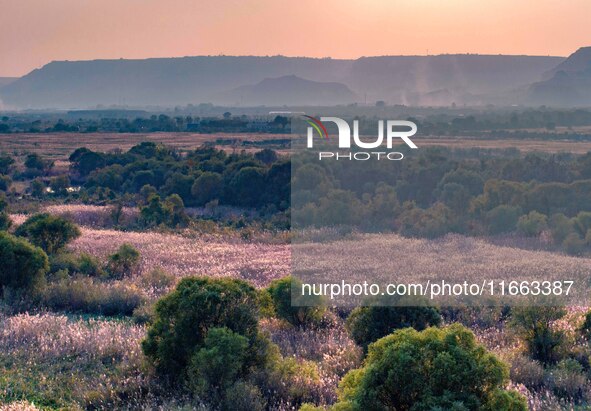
456 197
219 363
184 317
383 208
560 227
156 212
178 216
37 188
5 182
35 162
124 261
582 222
207 187
468 179
23 265
502 219
281 295
247 187
432 369
60 184
339 207
6 163
51 233
534 325
86 162
532 224
266 156
369 324
586 326
573 244
5 221
431 223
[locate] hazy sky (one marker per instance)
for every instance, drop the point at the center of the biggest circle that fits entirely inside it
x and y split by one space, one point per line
35 32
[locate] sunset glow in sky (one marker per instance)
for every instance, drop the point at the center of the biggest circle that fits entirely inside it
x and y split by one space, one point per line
35 32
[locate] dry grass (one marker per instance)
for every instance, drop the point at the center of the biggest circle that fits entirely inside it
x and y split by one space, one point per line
389 258
184 256
60 145
54 361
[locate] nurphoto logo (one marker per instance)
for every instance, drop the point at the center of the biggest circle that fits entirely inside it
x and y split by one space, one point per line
393 129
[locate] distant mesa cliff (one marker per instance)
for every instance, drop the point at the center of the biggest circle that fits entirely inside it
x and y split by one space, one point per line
568 84
4 81
289 90
276 81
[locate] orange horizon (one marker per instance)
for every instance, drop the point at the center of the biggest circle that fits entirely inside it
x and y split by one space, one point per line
36 32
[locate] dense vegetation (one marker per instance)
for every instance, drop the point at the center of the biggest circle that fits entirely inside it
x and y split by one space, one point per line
226 343
492 123
207 340
432 192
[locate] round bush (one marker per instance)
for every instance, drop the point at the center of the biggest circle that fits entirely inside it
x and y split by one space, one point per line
532 224
502 219
534 325
184 317
219 363
5 221
23 265
368 324
51 233
281 295
124 261
243 396
432 369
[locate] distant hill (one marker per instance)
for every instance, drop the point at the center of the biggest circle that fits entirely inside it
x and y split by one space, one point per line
249 80
289 90
7 80
568 84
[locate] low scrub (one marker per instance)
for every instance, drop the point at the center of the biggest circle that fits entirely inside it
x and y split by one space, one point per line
84 295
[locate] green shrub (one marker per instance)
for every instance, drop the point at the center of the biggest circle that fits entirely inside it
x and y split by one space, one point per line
432 222
51 233
83 295
582 222
90 266
291 380
482 316
83 263
586 326
560 226
22 265
64 262
527 372
568 380
243 396
184 317
218 364
123 262
5 182
144 314
573 244
281 293
157 279
428 370
534 326
207 187
532 224
502 400
369 324
5 221
502 219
